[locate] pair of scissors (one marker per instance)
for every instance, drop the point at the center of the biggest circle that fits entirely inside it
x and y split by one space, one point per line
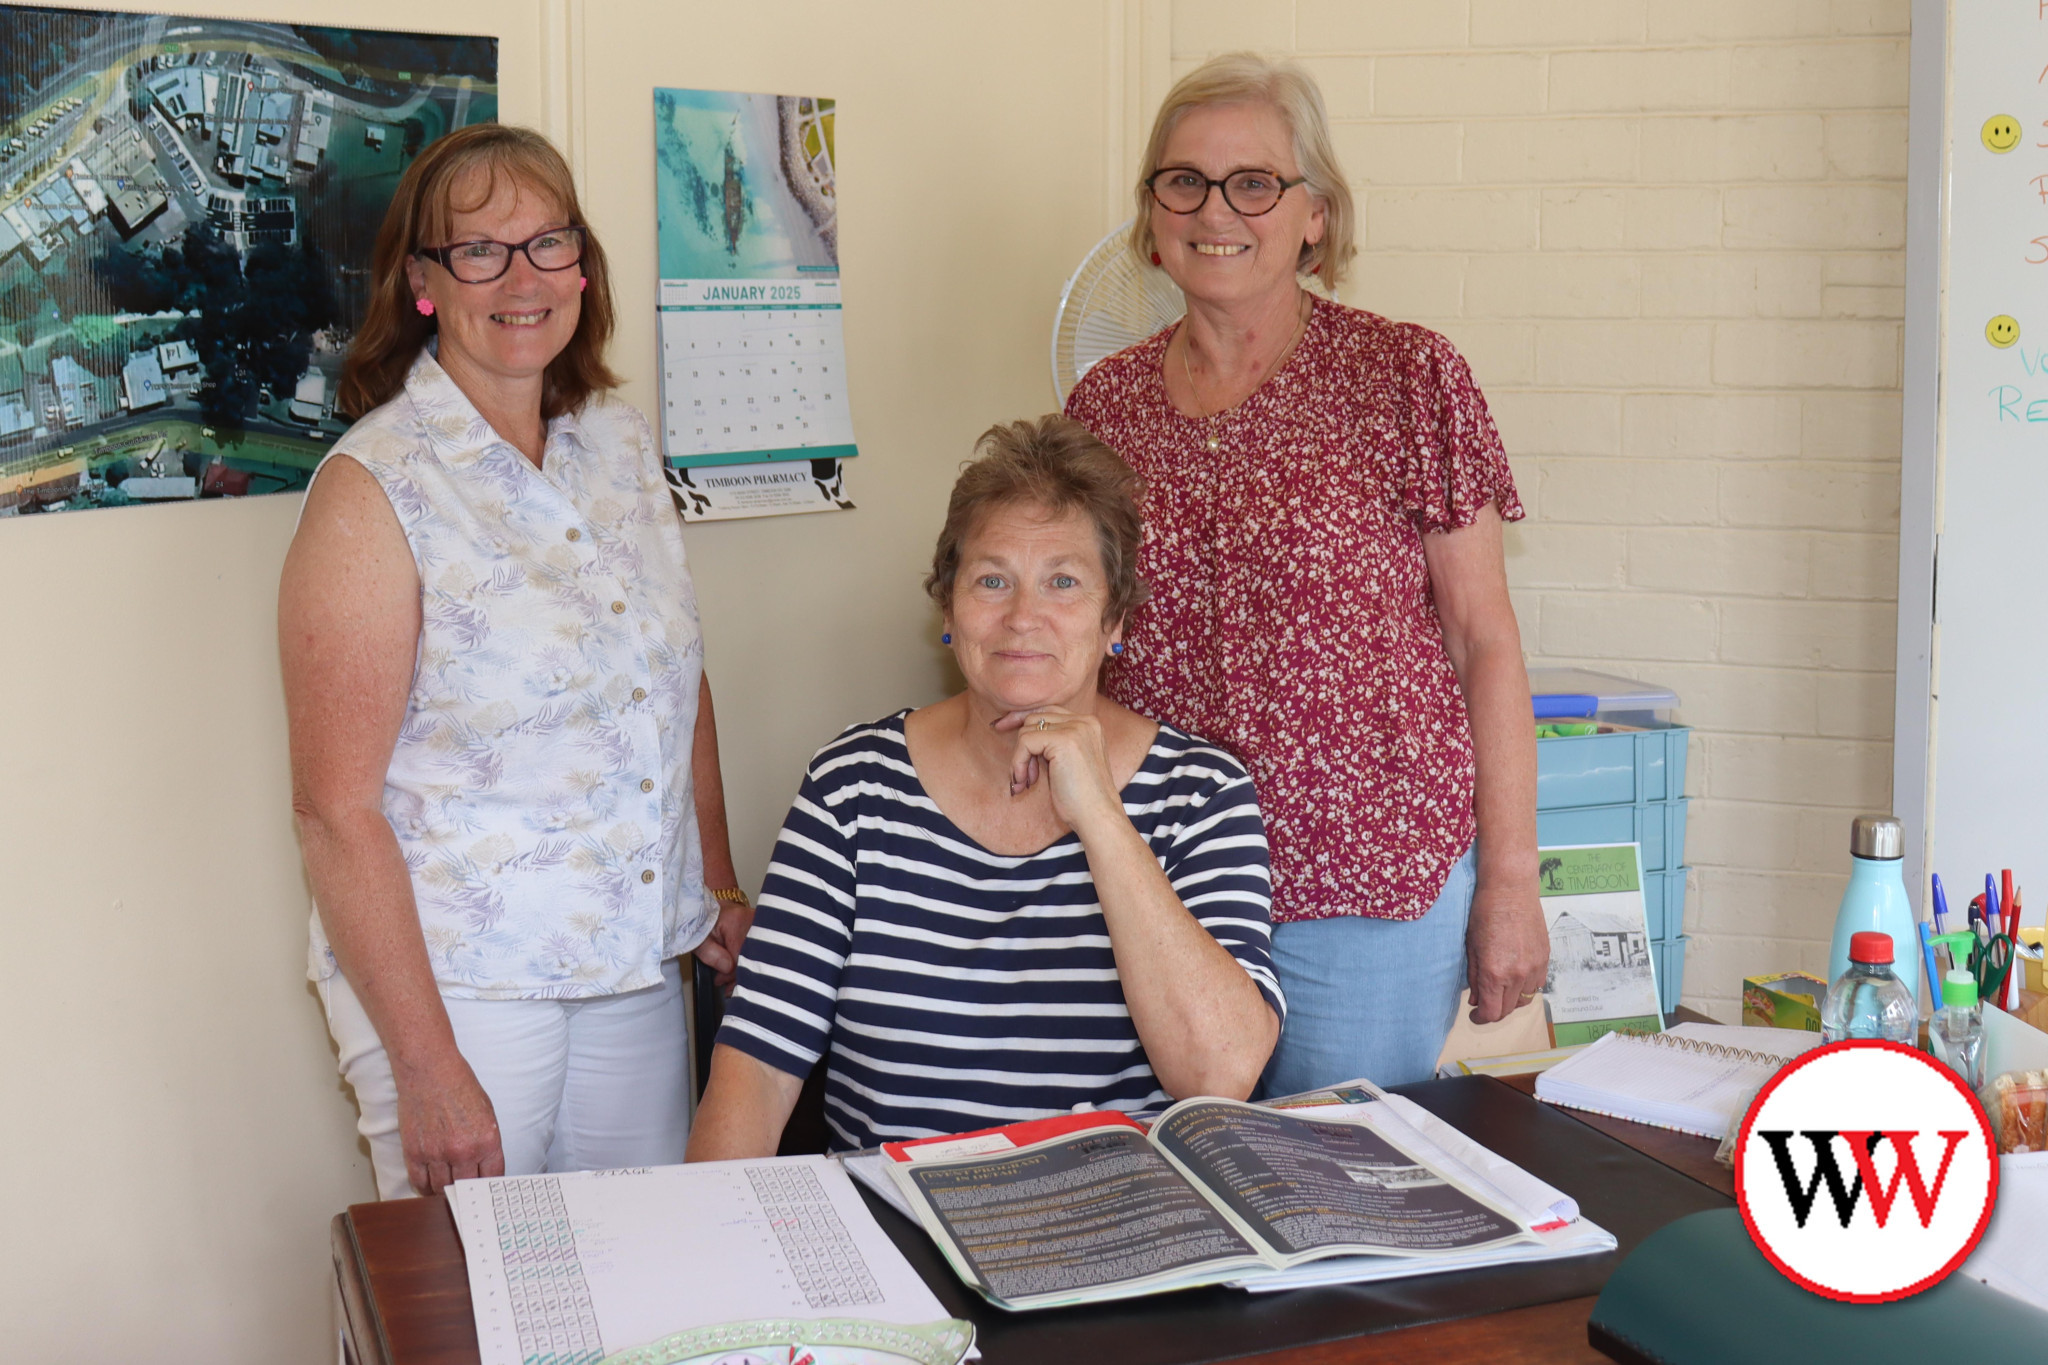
1990 964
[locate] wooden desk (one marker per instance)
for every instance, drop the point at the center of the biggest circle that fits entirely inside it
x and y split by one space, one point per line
405 1289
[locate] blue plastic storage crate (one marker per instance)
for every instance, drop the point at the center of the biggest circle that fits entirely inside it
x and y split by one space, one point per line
1623 788
1659 826
1610 770
1664 903
1670 957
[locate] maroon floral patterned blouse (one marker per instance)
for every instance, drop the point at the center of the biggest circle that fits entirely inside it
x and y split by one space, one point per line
1291 618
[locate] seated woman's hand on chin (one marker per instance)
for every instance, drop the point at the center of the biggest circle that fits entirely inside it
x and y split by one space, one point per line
1021 900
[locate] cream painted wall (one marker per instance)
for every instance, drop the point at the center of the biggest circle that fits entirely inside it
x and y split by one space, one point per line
178 1139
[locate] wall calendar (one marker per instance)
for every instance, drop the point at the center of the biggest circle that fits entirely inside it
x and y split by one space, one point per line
754 413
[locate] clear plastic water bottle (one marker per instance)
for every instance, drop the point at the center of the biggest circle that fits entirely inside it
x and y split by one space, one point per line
1956 1033
1869 1000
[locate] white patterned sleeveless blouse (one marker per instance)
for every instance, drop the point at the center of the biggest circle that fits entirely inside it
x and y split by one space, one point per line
541 785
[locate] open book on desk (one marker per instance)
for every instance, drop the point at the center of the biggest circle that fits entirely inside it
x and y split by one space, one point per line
1091 1207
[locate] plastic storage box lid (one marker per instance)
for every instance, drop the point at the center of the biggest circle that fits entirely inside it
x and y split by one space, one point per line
1581 692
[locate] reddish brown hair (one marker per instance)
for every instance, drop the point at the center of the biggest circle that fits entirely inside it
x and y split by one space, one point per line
1054 464
422 214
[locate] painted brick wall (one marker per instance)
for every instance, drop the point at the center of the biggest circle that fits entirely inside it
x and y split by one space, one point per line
1670 237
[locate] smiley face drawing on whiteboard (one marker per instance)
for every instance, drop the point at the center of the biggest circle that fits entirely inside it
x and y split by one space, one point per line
2002 331
2001 132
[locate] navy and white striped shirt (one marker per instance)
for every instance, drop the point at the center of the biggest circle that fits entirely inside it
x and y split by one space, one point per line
961 989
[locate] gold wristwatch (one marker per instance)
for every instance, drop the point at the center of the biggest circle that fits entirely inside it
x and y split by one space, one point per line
733 894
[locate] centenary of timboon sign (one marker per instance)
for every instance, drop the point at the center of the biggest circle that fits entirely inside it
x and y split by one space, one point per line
753 355
187 212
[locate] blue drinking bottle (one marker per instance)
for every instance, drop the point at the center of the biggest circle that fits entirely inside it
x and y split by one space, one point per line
1876 898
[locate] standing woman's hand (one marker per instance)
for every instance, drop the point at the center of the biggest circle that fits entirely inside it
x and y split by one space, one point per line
447 1128
1068 752
1507 950
720 950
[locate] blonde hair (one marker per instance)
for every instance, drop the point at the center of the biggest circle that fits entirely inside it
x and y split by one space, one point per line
1055 465
1247 78
420 215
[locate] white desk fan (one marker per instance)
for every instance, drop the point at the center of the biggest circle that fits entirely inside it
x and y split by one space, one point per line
1111 302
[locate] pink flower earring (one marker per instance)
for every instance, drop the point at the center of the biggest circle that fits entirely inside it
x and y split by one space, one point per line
426 307
582 283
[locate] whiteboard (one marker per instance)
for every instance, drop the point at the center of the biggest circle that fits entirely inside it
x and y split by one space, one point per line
1984 678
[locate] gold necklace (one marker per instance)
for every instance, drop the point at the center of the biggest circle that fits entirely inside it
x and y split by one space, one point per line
1214 437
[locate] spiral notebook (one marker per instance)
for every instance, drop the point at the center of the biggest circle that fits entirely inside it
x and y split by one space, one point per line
1697 1078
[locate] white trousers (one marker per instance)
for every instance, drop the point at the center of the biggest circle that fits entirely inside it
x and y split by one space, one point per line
578 1085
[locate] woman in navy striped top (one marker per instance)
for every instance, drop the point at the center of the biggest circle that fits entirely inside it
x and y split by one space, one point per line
1025 898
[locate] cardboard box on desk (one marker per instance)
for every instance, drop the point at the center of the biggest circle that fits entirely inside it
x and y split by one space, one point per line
1787 1000
2033 982
2013 1043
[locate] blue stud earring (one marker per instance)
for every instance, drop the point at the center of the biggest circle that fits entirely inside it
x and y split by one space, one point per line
947 638
1116 646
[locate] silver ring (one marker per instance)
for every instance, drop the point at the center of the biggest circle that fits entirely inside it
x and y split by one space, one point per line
1042 722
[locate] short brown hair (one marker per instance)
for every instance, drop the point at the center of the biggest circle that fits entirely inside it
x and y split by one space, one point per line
421 214
1056 464
1247 78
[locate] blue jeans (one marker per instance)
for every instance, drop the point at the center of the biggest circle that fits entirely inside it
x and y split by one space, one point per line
1370 997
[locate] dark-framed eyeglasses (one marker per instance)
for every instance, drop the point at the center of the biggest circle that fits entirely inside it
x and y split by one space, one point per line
1183 189
484 261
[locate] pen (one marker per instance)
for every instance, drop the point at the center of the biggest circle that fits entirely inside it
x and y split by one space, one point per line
1940 906
1998 908
1927 950
2006 901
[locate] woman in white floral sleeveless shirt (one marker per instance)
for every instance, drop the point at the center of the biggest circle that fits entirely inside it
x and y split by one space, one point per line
505 768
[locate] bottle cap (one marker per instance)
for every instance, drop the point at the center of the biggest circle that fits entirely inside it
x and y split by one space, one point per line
1870 946
1877 836
1958 989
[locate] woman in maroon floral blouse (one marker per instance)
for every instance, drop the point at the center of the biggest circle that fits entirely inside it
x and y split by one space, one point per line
1323 540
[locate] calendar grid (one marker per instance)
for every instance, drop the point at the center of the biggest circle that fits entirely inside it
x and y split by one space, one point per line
745 382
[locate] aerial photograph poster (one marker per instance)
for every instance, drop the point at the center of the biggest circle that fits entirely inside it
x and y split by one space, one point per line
754 413
187 212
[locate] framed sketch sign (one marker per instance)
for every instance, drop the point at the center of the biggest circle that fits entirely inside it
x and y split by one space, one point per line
1601 976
